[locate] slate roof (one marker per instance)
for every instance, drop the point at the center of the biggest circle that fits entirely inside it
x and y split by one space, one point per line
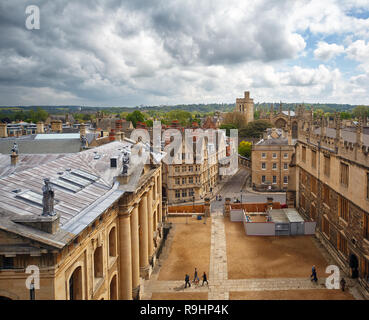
76 209
55 143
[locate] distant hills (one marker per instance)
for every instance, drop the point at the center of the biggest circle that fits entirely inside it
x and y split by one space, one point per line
202 108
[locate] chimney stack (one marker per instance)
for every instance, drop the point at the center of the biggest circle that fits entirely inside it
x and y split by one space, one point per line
3 130
57 126
82 130
40 128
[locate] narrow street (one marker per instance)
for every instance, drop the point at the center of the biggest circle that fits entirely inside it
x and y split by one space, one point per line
234 187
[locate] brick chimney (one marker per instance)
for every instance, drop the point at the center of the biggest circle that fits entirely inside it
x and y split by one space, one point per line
3 130
112 135
40 127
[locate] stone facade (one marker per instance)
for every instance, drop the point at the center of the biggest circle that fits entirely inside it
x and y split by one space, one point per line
105 260
331 177
188 182
270 162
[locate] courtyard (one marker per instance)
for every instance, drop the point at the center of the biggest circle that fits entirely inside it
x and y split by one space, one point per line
189 249
239 267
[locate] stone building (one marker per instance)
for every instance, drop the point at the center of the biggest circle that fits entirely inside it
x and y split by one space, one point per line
93 227
329 184
246 107
270 158
192 182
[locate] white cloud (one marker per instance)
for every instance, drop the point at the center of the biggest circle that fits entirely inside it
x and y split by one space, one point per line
159 52
326 51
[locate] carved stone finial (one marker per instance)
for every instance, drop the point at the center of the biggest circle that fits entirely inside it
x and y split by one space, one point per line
48 199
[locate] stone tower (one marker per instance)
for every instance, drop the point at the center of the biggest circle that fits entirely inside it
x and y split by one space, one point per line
246 107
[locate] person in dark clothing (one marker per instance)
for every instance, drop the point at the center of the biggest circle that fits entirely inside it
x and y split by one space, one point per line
313 276
343 284
204 279
196 277
187 281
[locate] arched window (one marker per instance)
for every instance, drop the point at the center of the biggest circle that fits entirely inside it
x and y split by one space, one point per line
98 263
113 288
112 243
75 285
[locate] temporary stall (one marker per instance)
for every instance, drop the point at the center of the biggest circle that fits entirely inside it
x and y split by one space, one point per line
281 222
296 222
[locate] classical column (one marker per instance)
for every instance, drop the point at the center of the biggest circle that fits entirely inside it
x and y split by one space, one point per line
144 257
150 224
135 252
125 257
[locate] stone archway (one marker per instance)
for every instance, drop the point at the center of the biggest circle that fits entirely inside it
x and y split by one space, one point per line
280 123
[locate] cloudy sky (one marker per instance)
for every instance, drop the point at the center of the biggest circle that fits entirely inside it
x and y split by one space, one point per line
151 52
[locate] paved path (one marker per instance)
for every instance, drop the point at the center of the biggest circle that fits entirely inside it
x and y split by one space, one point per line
218 259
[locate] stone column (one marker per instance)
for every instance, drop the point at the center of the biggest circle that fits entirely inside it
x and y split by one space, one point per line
143 233
150 224
125 257
135 252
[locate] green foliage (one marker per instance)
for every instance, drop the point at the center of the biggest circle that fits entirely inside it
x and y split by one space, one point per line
82 117
255 129
318 113
33 115
345 115
149 123
135 116
360 112
244 149
228 128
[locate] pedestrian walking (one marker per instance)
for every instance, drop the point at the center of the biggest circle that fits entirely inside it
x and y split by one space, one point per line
343 284
196 277
204 279
187 281
313 276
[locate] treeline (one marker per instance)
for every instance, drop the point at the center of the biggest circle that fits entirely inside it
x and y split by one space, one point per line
33 115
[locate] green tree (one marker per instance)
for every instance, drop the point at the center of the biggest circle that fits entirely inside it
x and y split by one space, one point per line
255 129
318 113
360 112
345 115
244 149
135 116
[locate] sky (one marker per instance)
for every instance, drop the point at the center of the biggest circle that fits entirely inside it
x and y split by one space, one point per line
166 52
